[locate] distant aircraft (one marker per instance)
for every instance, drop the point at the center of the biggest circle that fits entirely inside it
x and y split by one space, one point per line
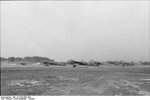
75 65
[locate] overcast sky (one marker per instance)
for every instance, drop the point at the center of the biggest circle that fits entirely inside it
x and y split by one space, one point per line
62 30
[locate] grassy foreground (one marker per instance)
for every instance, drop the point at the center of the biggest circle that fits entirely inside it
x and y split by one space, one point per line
82 80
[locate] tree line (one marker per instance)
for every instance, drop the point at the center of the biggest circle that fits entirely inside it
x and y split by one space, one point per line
47 61
34 59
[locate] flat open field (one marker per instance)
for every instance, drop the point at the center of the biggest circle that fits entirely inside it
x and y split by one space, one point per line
82 80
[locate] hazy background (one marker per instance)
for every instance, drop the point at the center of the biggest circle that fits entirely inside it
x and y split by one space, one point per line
62 30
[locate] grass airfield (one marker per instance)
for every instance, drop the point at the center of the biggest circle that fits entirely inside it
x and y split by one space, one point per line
79 81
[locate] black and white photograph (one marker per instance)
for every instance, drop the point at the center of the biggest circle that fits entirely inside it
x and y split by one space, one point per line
74 48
